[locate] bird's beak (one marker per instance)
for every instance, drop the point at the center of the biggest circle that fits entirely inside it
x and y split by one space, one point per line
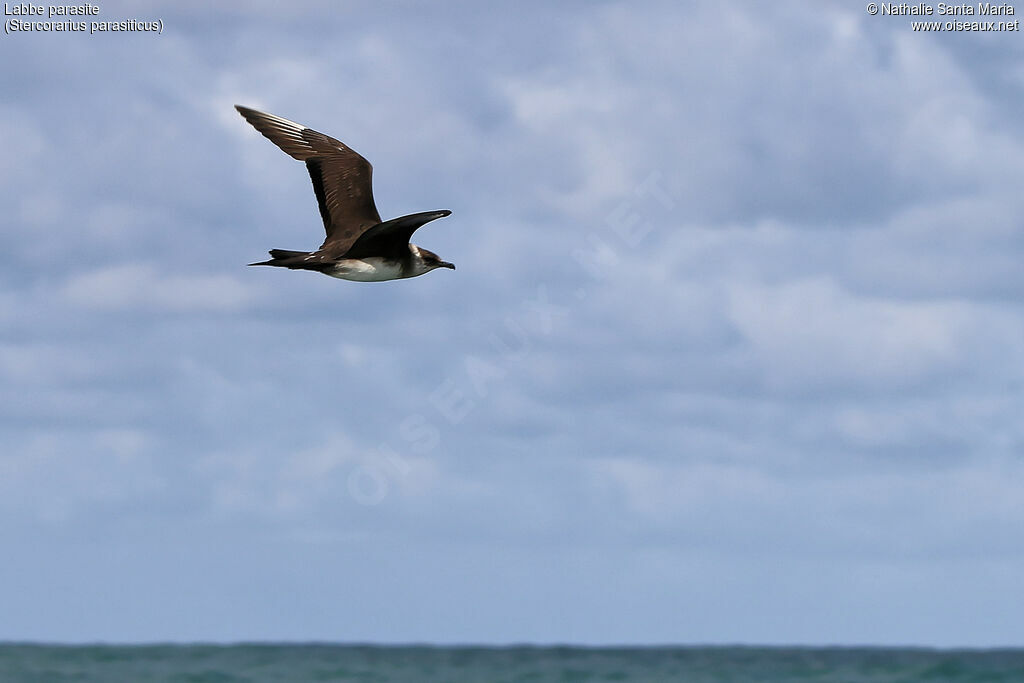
445 264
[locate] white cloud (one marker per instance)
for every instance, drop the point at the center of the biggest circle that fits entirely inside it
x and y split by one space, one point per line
137 287
61 475
811 333
890 513
23 142
42 364
308 486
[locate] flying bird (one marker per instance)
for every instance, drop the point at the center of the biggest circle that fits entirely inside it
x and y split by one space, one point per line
359 246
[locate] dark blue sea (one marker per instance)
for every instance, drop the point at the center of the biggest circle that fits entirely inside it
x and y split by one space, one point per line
259 663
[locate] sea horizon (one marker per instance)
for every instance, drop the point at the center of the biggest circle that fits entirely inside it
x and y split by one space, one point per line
267 662
500 645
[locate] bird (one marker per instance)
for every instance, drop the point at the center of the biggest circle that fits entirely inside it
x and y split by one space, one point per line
359 245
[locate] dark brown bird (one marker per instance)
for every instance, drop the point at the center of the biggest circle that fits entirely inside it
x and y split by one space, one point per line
359 246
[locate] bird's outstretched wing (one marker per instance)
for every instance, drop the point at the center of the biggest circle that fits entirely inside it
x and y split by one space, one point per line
391 238
342 179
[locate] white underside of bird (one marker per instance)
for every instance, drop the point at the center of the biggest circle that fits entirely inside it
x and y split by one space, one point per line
377 269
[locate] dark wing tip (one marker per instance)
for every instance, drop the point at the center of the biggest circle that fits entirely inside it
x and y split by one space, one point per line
249 114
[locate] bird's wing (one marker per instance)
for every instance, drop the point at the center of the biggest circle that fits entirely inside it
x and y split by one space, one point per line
342 179
391 239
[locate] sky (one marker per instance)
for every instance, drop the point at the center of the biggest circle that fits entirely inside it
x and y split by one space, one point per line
734 352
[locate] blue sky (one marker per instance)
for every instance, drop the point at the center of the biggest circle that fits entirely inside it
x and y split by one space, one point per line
733 353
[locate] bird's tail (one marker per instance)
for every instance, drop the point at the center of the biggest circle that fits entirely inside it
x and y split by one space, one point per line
284 258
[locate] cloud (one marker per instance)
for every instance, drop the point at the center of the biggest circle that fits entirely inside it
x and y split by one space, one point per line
23 139
813 333
141 287
58 476
884 515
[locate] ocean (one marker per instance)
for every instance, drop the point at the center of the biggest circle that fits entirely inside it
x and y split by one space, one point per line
269 663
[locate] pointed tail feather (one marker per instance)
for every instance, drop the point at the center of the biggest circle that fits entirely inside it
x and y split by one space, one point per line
283 257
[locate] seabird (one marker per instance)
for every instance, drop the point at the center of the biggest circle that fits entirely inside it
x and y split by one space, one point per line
359 246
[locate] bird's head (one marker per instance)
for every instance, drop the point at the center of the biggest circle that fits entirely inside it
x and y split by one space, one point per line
428 260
